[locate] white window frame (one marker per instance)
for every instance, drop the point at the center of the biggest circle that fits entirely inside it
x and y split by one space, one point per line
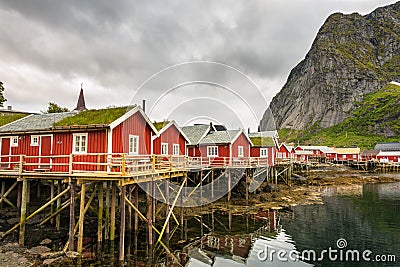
263 152
14 141
79 149
164 148
344 156
240 151
354 156
33 141
212 151
133 139
175 149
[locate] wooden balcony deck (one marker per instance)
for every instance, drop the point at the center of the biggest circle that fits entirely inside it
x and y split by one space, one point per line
126 169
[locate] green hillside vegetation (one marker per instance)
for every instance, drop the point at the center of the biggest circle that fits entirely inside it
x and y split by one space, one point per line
375 119
93 116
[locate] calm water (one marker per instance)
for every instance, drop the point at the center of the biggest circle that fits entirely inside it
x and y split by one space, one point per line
367 218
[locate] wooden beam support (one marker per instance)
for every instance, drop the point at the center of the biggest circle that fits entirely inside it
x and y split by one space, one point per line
81 219
24 210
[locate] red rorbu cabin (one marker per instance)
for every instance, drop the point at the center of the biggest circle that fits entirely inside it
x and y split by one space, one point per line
264 146
170 139
47 140
347 154
217 144
285 152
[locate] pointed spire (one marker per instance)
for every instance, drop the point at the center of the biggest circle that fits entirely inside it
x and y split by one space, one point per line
81 101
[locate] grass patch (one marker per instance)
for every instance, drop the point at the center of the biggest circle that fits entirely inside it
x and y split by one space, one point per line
262 141
6 119
93 116
159 125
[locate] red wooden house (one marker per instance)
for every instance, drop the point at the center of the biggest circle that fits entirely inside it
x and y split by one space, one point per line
388 156
216 144
347 154
264 147
170 139
370 154
285 152
50 136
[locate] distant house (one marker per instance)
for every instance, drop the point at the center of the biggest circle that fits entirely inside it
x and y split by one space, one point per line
318 151
285 152
392 146
113 130
217 143
370 154
303 155
347 154
9 111
388 156
264 146
170 140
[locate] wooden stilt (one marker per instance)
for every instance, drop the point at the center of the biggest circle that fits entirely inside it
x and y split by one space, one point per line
167 208
130 189
38 190
81 219
19 195
229 186
58 218
247 182
113 208
136 202
24 208
107 212
51 197
3 190
150 216
122 226
100 214
71 216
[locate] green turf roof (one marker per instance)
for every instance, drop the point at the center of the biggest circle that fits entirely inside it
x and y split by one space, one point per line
6 119
160 124
93 116
262 141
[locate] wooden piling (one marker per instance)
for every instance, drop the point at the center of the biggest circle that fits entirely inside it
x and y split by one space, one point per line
107 212
136 226
58 217
71 216
81 219
100 214
24 208
113 208
122 226
150 216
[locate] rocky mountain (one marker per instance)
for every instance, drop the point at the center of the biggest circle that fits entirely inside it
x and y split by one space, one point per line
352 55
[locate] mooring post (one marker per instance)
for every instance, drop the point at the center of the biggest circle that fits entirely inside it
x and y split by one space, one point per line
71 215
24 209
81 218
100 214
113 208
122 225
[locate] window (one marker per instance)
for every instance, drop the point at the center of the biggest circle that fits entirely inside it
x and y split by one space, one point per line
263 152
354 156
34 140
164 148
212 151
80 143
14 141
175 149
133 144
344 156
240 151
279 155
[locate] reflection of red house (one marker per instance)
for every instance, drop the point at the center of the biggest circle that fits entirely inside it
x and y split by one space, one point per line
170 140
114 130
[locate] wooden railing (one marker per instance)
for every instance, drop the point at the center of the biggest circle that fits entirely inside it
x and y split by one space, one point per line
118 163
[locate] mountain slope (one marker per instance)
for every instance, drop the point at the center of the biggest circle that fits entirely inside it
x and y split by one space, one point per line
352 55
376 119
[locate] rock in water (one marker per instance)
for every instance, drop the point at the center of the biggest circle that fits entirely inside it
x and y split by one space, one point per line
352 55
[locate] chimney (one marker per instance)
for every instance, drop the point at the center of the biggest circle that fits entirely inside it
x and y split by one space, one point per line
248 130
258 128
144 105
81 105
9 107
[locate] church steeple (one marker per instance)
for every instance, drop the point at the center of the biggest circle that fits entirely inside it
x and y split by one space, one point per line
81 101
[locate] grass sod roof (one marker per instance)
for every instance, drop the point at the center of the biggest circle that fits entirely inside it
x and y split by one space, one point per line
93 116
262 141
6 119
160 124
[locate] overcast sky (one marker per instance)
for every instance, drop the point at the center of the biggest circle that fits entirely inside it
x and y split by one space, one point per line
48 48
